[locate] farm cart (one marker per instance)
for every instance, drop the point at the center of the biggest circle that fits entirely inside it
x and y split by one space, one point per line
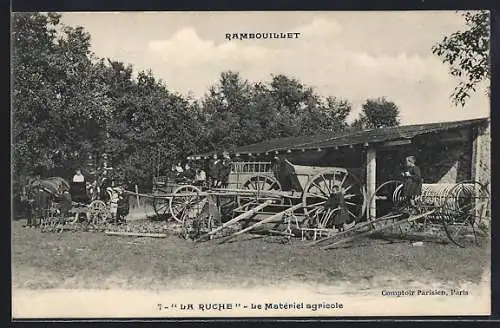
81 216
312 198
457 212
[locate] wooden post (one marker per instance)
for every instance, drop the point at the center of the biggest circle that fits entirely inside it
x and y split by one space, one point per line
371 181
137 195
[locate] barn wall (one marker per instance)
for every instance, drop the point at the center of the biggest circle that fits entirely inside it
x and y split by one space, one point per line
481 154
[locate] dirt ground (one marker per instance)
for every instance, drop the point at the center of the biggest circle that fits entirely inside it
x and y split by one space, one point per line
89 260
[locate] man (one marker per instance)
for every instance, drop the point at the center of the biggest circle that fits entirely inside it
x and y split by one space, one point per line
341 215
412 181
213 171
224 170
27 199
200 178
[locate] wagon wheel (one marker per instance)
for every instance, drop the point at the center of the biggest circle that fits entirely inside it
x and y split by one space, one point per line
388 204
161 207
45 220
98 213
321 204
467 216
52 220
186 207
258 183
427 225
195 226
48 219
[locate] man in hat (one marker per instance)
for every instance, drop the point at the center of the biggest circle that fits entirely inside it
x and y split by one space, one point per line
412 180
224 170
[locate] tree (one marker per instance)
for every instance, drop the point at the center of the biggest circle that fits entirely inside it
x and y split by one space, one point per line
467 54
59 105
151 128
377 113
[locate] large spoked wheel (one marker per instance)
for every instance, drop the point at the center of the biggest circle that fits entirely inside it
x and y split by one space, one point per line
333 196
187 206
256 184
467 216
388 204
98 213
386 199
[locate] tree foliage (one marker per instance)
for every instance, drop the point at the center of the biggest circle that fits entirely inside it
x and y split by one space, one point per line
59 104
377 113
467 53
69 107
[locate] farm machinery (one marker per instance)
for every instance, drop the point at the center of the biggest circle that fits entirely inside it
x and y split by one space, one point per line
325 205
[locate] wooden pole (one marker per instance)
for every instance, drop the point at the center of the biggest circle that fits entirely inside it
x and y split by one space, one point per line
269 219
137 195
371 181
364 234
135 234
356 227
236 219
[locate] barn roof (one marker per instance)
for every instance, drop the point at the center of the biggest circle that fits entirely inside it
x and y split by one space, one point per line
352 138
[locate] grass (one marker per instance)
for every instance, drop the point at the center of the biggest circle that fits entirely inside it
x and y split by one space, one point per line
94 260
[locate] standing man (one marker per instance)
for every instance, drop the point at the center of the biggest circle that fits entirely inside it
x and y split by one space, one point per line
28 200
412 177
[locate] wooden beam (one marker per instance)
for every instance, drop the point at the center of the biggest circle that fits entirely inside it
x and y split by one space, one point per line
396 143
475 152
240 217
266 220
371 181
135 234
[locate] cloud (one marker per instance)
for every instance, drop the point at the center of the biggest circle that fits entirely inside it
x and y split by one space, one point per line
419 84
320 28
186 48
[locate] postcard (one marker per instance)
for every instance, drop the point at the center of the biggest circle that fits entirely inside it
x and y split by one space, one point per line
250 164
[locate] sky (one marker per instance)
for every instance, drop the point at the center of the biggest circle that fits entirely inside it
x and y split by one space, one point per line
350 55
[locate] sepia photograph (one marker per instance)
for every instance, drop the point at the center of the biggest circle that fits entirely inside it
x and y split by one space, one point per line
279 164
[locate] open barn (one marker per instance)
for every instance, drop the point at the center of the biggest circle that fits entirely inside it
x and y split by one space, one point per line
447 152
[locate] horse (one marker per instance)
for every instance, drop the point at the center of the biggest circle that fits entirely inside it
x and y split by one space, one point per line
49 192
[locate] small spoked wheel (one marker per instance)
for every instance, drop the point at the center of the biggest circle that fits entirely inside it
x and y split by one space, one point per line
334 197
161 207
187 203
98 213
52 220
467 216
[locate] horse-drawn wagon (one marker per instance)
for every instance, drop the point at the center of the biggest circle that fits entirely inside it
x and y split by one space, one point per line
58 205
320 199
